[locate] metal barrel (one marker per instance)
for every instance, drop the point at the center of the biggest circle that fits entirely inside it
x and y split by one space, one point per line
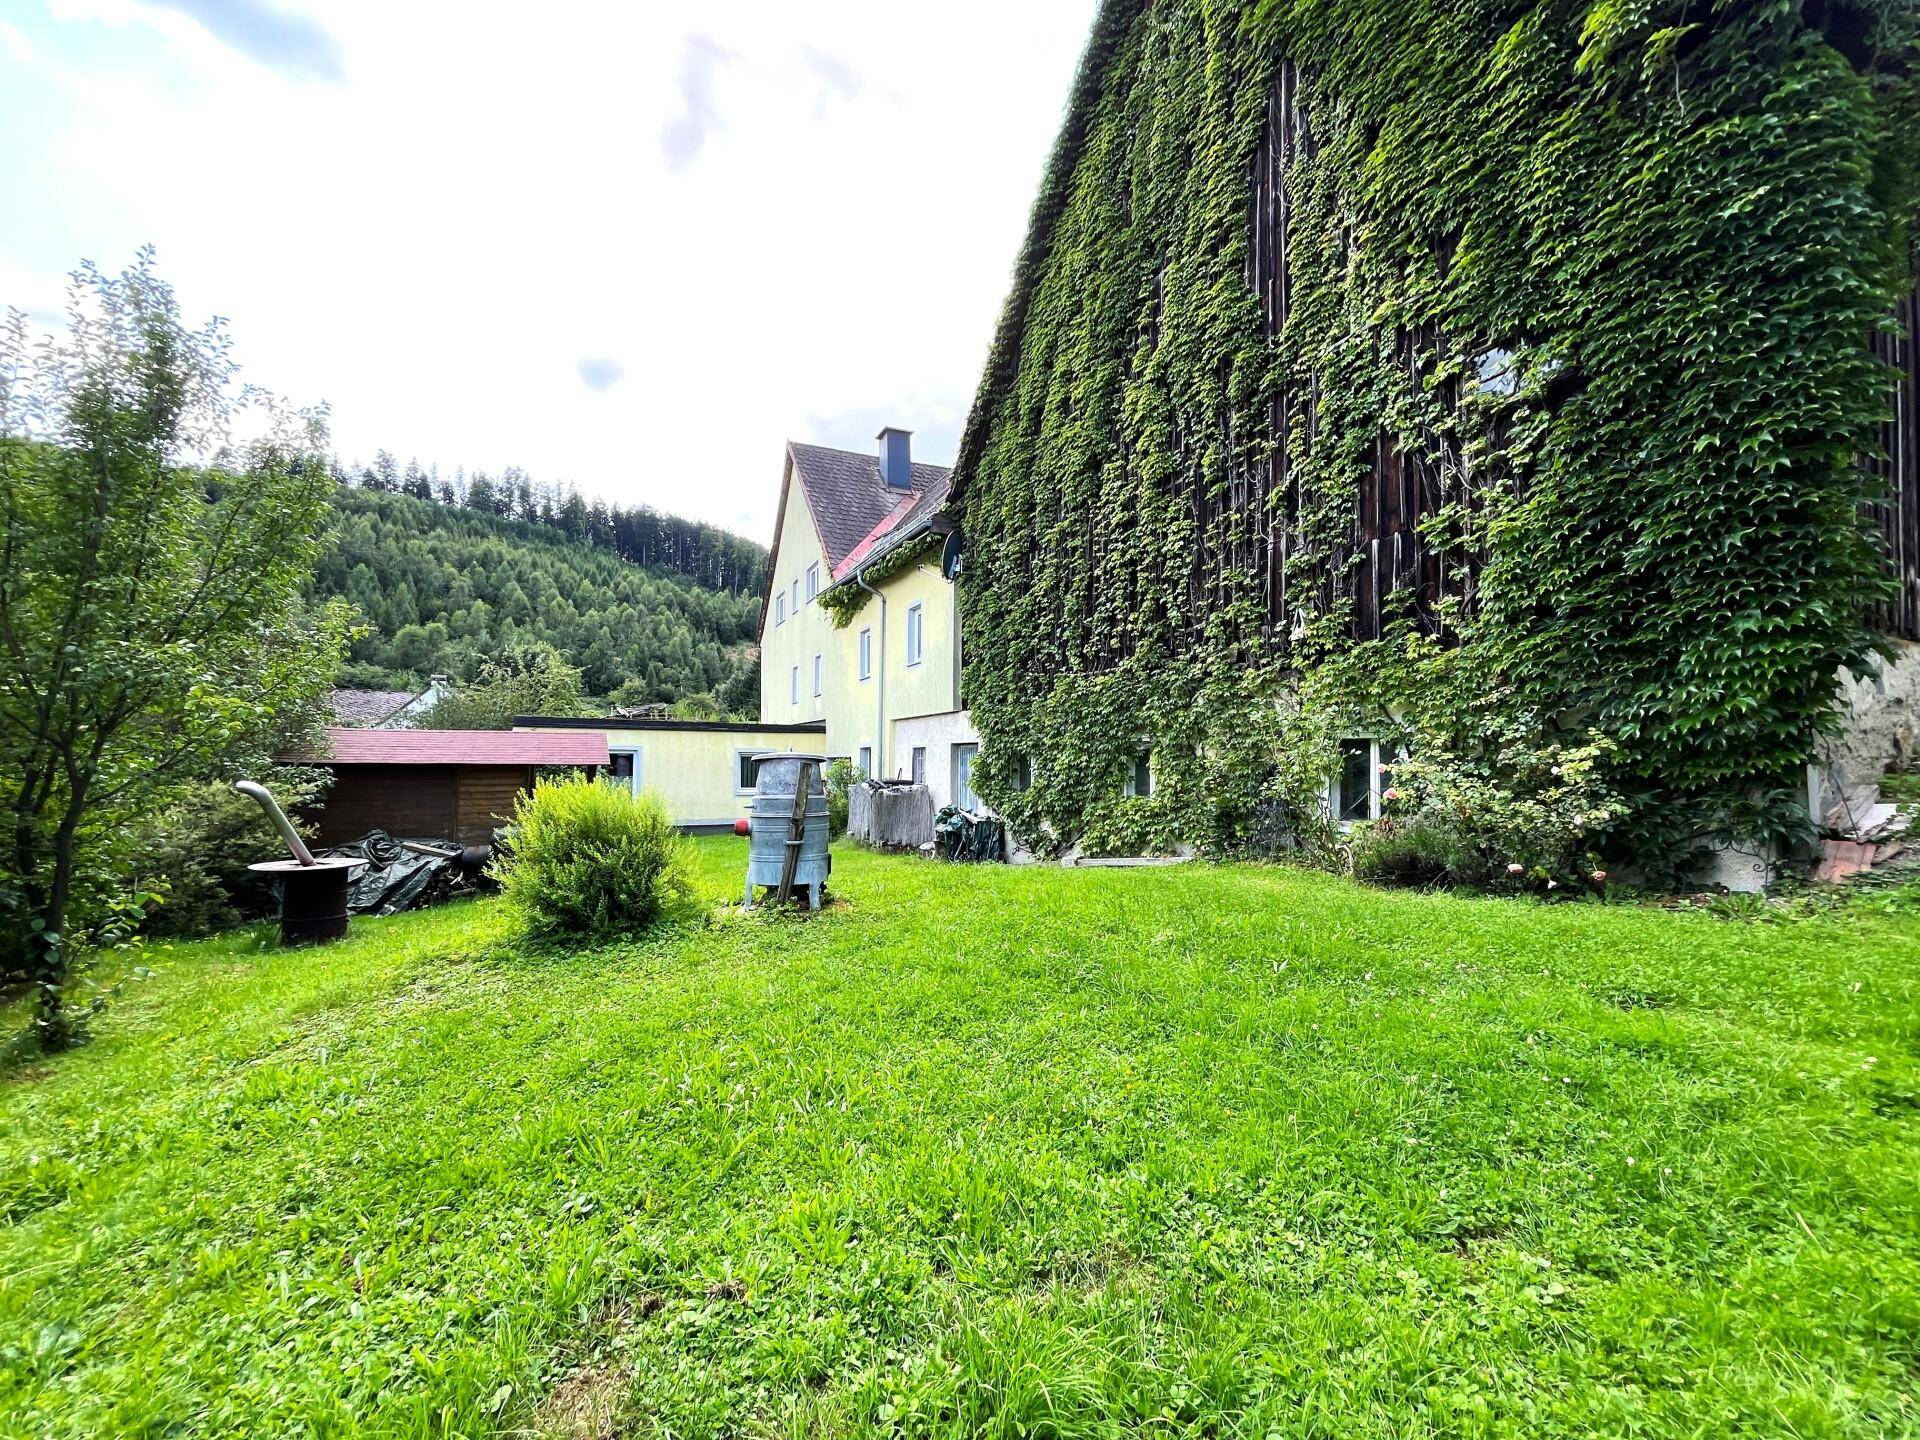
313 904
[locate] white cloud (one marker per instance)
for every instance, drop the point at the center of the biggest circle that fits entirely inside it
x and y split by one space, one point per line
16 43
435 243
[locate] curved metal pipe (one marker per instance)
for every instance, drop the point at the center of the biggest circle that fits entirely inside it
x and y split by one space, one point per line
256 791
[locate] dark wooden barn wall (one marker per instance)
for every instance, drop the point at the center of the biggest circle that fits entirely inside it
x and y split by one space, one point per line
484 800
1388 566
1898 468
464 803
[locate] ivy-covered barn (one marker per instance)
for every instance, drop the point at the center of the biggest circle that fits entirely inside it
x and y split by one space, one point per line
1480 411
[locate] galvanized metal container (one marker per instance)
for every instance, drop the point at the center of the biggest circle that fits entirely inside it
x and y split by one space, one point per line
776 788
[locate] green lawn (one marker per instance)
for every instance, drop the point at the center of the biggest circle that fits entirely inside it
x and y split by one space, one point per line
1191 1151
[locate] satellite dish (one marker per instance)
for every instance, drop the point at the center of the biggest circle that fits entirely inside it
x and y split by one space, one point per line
952 555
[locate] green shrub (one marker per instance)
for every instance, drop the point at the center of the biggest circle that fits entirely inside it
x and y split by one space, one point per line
1417 852
585 858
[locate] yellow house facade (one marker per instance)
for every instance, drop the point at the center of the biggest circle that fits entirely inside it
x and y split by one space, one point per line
882 690
869 529
701 769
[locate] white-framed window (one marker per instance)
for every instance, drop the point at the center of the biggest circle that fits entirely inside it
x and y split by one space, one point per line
1353 791
916 632
780 608
813 580
624 766
796 595
865 762
1139 777
866 653
963 795
745 772
794 686
819 675
919 771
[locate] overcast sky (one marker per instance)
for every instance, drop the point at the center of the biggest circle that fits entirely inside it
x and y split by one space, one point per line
634 245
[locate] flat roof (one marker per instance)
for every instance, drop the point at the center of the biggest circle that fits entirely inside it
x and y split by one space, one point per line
757 727
350 746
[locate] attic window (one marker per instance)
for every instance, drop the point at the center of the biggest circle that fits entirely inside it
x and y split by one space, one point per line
780 608
813 581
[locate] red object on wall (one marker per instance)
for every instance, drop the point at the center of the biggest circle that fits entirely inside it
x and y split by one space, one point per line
742 826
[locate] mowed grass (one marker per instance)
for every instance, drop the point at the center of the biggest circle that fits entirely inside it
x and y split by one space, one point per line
1190 1151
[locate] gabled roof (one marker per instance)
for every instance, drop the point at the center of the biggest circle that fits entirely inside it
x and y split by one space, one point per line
915 517
847 500
847 495
347 746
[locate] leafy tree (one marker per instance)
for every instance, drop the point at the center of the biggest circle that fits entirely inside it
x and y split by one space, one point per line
530 680
151 625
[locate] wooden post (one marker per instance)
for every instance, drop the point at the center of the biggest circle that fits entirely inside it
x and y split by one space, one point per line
796 830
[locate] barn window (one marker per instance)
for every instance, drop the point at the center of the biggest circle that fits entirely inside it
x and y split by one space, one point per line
1353 794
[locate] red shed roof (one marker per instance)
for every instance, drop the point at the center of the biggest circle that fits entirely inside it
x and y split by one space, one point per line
346 746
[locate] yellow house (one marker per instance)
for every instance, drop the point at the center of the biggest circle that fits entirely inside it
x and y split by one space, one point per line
864 534
702 769
857 535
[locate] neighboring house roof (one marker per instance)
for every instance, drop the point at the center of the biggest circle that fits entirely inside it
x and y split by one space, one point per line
367 707
349 746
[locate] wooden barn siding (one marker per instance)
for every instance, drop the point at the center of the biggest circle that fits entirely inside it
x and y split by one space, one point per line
1386 564
1898 469
485 800
420 802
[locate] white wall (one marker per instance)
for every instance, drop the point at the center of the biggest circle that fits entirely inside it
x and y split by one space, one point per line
939 733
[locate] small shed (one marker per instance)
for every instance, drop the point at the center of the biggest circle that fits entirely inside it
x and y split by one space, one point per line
443 784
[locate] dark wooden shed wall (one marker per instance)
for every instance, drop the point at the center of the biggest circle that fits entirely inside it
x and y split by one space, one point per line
465 803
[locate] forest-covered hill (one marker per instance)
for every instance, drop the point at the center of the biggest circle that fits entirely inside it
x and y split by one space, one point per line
446 586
